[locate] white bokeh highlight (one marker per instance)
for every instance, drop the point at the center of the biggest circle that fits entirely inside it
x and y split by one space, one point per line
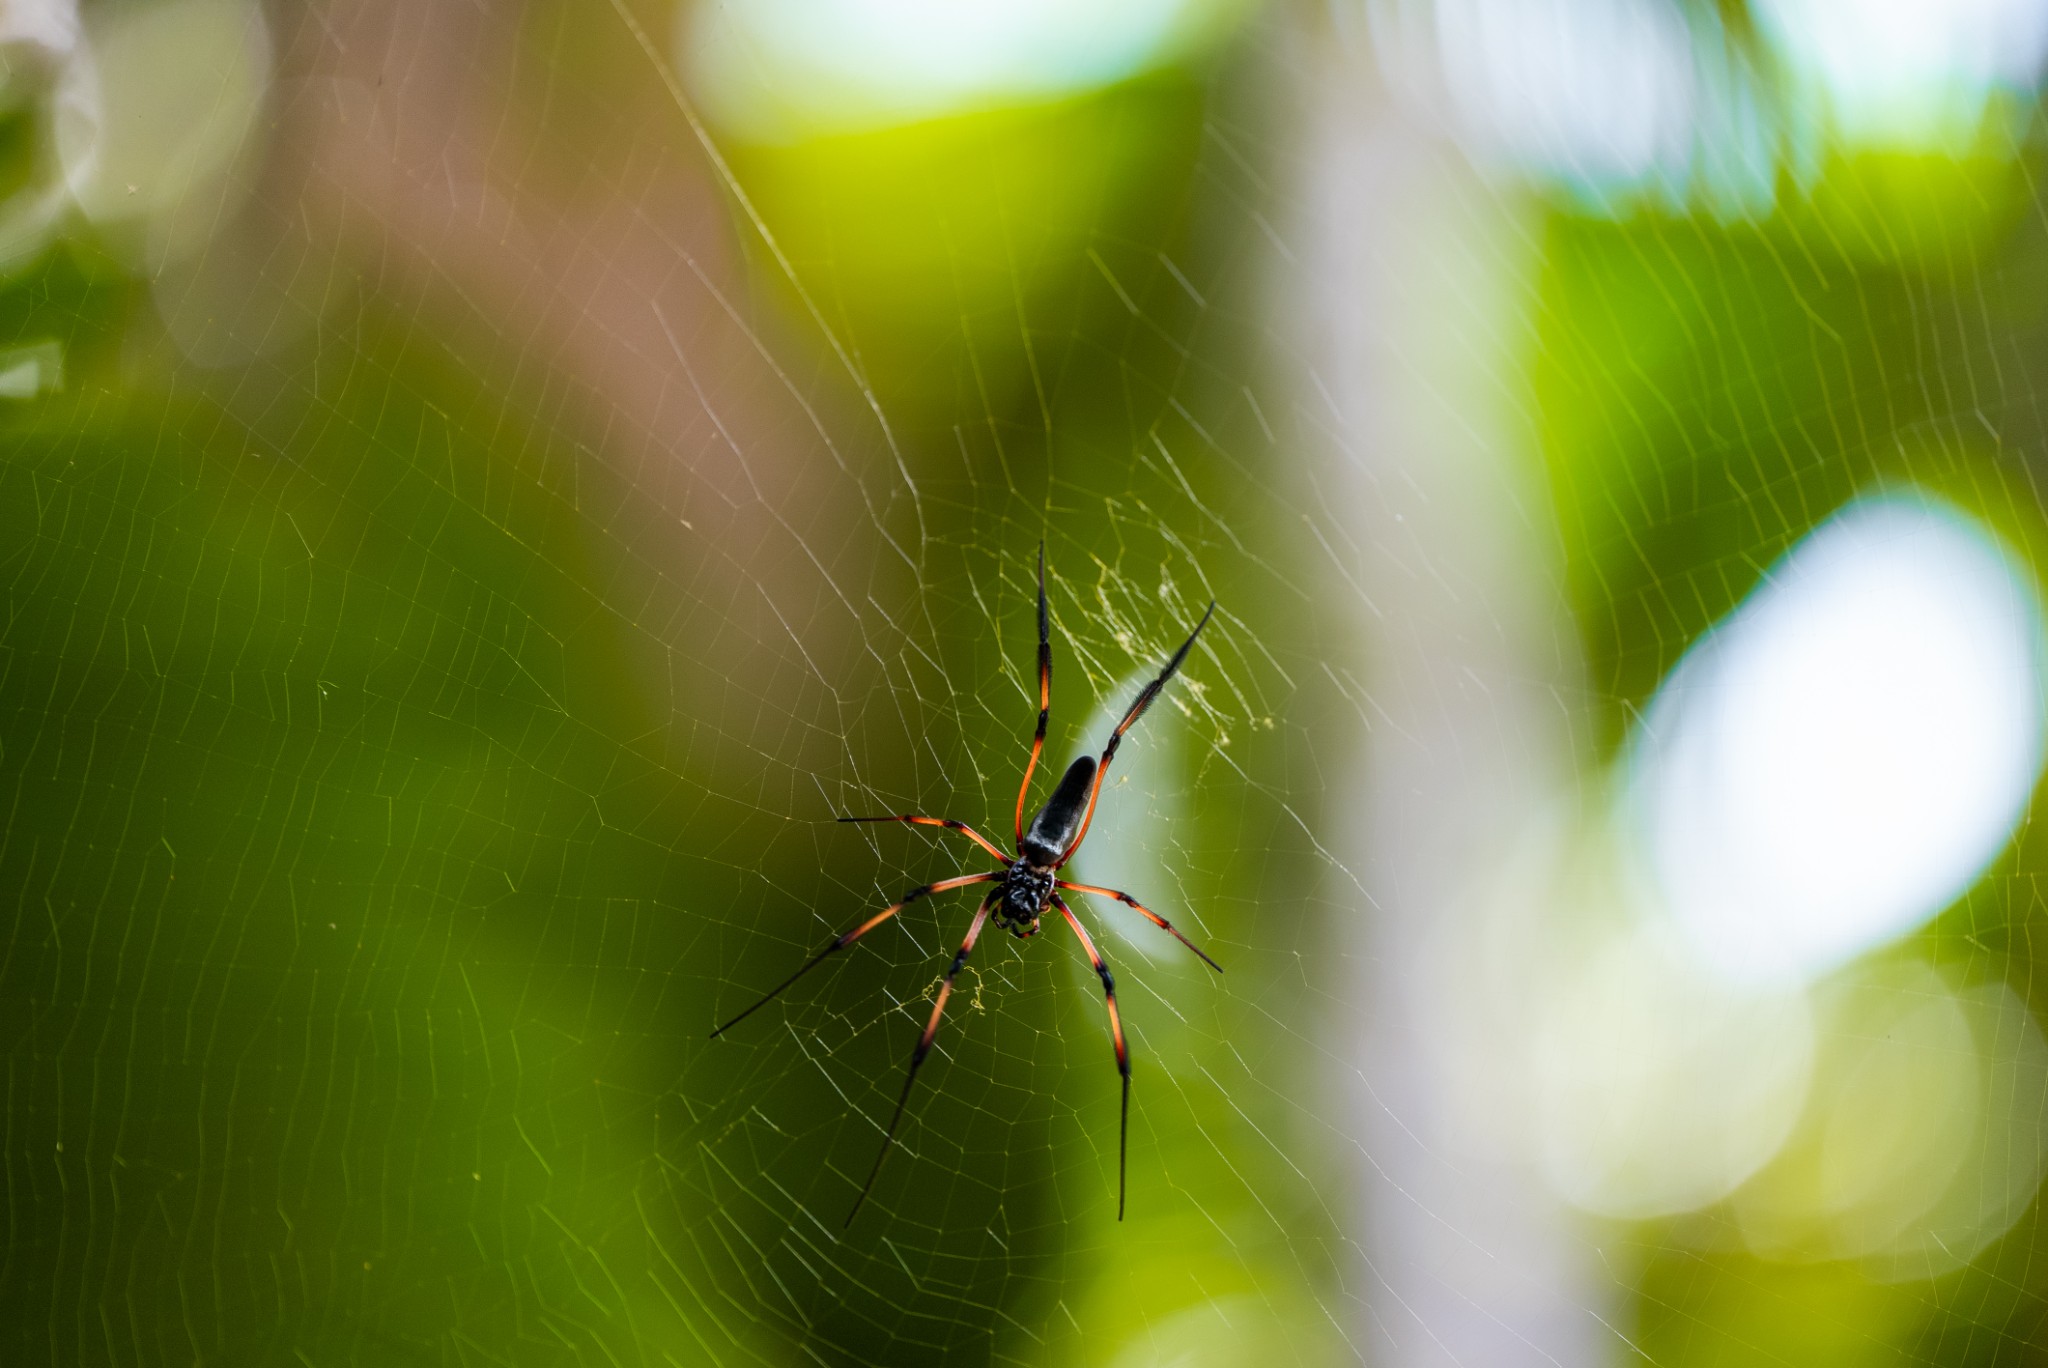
1584 1039
1627 104
1598 92
1660 1088
1620 104
1913 73
1841 758
1924 1138
159 121
783 70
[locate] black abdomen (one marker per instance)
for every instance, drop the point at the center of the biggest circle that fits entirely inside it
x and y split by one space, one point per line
1052 830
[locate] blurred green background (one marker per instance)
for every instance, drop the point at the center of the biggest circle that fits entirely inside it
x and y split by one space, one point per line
481 490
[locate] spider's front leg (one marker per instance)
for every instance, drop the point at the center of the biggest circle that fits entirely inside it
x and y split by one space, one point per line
1137 710
948 823
1044 696
841 942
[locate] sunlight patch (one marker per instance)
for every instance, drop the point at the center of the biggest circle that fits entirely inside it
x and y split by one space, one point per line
783 70
1586 1040
1922 1142
154 124
31 370
1907 73
1839 760
1623 105
1598 94
1661 1088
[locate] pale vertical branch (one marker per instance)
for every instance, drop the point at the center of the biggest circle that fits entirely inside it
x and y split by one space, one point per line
1415 290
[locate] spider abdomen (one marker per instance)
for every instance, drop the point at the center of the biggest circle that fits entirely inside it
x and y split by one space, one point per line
1052 830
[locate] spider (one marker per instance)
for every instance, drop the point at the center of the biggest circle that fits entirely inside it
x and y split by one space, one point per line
1024 887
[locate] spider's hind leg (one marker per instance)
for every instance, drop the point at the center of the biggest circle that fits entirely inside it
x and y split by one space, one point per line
924 1046
1116 1035
1128 901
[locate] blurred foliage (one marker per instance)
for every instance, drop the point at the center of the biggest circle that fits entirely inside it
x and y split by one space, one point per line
1708 394
957 260
300 742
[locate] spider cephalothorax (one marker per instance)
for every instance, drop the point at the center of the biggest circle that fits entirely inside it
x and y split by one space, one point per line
1027 885
1025 896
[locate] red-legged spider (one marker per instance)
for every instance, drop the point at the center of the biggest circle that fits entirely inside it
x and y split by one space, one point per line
1025 886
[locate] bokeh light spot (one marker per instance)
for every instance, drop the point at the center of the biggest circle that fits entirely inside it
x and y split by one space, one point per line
782 70
1907 72
1598 94
1662 1088
1912 1153
151 126
1841 758
1588 1042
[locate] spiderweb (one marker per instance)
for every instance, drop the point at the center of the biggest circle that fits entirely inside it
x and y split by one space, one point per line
464 547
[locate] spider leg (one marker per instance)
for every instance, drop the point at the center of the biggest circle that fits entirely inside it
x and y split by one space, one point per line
1116 1035
851 936
1144 701
1127 900
948 823
1044 695
924 1047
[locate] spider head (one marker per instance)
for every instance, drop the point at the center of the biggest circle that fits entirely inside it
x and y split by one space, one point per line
1025 893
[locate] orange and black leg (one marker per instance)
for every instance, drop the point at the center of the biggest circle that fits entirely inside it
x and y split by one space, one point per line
1116 1036
924 1047
1128 901
947 822
851 936
1044 695
1144 701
